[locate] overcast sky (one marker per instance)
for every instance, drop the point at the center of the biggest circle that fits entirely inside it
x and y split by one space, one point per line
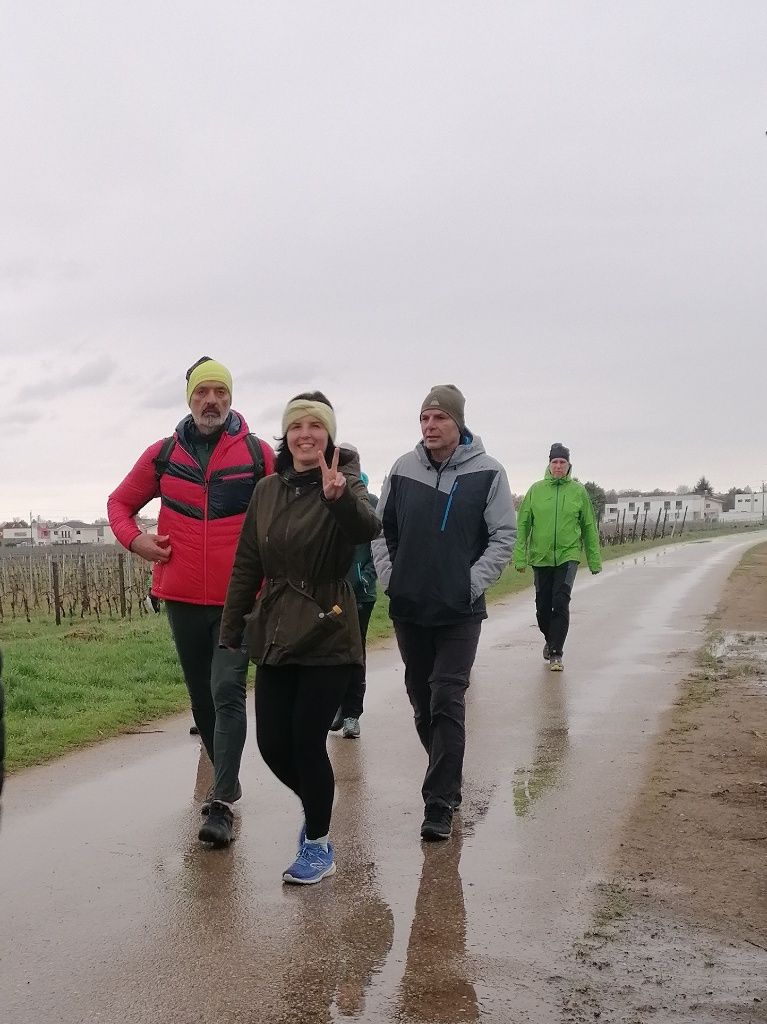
560 207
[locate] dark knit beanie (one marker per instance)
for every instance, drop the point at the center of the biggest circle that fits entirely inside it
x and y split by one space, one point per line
558 451
449 399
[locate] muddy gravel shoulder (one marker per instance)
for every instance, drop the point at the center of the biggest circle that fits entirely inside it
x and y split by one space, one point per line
680 932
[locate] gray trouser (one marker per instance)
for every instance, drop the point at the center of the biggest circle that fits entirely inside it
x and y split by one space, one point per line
215 679
438 662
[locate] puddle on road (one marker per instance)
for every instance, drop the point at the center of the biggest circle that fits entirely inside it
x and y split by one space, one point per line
742 652
529 784
743 643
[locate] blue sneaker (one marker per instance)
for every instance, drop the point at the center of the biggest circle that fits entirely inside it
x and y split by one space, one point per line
311 865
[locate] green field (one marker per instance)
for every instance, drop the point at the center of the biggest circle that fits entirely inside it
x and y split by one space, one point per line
84 681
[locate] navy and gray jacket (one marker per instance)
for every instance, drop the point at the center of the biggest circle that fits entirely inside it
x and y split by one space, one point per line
448 533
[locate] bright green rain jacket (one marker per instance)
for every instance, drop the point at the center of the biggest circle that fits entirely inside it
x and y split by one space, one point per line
555 522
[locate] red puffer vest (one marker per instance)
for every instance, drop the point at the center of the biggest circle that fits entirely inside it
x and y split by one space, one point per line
202 513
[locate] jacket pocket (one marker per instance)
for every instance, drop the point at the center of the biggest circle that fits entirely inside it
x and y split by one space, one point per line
315 628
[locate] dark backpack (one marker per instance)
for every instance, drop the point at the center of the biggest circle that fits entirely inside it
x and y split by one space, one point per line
254 447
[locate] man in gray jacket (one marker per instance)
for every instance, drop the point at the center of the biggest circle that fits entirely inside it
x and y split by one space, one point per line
448 532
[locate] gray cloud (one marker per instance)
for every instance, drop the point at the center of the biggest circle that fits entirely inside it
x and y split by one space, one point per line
12 424
169 395
98 371
277 373
272 413
22 273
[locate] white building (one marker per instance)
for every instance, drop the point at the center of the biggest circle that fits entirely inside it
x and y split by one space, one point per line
17 532
75 532
635 506
72 532
106 535
748 508
754 504
20 534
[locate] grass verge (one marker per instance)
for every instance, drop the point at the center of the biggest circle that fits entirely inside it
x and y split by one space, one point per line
77 684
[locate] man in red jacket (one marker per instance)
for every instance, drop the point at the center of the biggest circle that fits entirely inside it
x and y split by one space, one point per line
204 475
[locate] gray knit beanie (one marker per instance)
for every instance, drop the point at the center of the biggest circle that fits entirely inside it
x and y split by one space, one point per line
449 399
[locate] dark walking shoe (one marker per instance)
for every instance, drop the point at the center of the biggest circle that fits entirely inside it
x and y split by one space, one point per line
457 801
351 728
555 663
205 809
217 827
546 652
438 823
338 721
193 730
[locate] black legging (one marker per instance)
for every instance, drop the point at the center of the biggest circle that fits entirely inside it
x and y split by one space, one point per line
295 705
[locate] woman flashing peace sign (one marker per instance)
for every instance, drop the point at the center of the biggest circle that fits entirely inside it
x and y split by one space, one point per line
289 603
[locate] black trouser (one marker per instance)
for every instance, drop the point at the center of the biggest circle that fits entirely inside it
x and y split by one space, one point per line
351 705
295 705
438 661
215 679
553 586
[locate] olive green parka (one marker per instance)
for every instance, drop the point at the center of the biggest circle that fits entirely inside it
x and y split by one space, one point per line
289 571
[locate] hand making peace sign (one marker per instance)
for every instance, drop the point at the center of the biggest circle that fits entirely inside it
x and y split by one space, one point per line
333 482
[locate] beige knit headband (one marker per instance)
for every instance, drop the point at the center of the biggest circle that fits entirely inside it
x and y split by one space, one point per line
300 407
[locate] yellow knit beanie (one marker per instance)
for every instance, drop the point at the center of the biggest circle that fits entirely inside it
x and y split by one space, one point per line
207 369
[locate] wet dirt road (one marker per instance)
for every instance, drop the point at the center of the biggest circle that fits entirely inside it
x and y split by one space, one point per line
112 912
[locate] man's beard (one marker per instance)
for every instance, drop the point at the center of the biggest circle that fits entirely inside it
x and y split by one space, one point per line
210 422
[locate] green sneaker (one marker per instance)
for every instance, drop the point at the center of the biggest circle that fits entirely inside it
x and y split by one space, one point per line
555 663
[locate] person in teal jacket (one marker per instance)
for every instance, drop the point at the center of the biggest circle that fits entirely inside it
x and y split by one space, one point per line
555 524
362 576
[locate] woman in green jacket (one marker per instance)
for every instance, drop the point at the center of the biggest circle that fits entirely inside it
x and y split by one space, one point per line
302 630
555 523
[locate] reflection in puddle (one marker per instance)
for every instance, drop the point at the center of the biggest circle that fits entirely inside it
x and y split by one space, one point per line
552 741
341 938
435 986
345 929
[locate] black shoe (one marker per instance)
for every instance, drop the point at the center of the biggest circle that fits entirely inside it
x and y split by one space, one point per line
205 809
217 827
193 730
457 800
351 728
438 823
338 721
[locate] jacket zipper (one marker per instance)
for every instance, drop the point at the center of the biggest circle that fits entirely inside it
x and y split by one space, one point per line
206 481
205 473
453 489
440 471
273 641
556 516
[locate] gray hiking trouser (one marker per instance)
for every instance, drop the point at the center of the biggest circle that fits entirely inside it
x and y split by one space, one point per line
215 679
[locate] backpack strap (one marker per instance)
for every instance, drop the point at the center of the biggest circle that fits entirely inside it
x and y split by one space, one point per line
254 447
163 457
257 454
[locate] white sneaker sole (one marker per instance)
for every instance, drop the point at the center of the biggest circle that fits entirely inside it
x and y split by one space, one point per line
309 881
